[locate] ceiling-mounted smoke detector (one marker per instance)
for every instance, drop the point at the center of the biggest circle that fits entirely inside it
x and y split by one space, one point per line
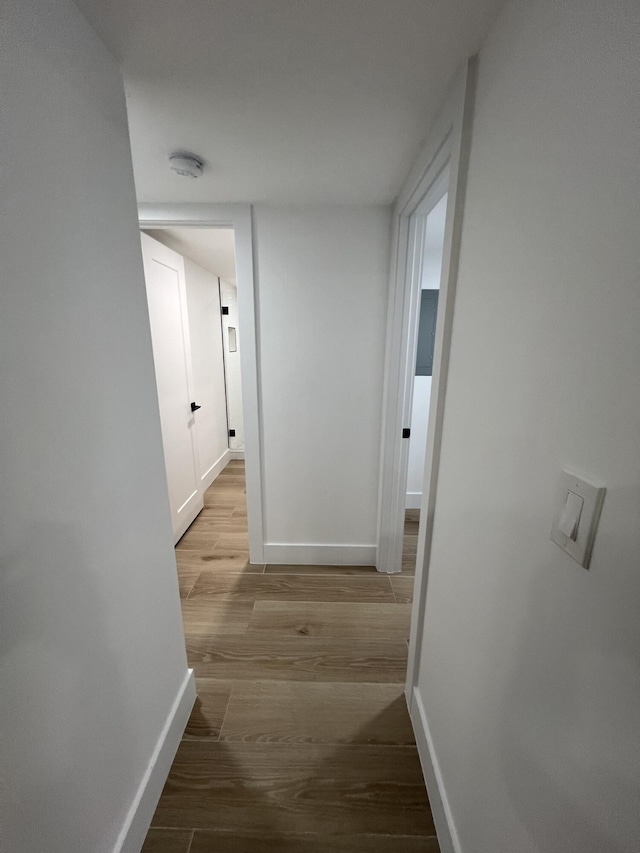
186 165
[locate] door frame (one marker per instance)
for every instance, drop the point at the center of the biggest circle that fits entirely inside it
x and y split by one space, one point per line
445 153
447 148
408 258
240 218
441 167
418 229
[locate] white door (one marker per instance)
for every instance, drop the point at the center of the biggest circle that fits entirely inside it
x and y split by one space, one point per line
167 299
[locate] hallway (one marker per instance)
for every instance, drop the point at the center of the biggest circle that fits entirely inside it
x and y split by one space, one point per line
299 739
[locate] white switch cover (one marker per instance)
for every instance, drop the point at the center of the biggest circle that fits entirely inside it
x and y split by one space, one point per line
578 503
570 515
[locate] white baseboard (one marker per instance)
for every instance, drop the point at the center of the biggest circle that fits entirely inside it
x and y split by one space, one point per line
320 555
138 820
442 817
413 500
236 454
218 466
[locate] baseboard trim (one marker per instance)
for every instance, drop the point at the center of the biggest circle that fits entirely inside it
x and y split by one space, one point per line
413 500
209 476
236 454
320 555
442 817
138 820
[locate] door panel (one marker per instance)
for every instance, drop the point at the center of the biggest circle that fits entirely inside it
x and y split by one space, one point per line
166 296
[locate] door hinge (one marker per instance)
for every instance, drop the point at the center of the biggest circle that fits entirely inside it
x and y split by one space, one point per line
406 433
232 433
225 310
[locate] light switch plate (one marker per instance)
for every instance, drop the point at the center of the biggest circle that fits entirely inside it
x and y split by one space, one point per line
592 492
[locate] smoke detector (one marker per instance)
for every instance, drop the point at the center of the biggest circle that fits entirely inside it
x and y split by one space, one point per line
186 165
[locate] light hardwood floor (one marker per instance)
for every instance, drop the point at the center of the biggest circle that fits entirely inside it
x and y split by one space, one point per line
299 741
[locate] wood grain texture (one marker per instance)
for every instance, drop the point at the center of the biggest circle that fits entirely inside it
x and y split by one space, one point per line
410 545
223 525
209 535
293 587
186 580
411 521
210 513
408 564
306 659
409 552
299 712
207 841
280 569
168 841
201 617
334 620
344 789
403 588
209 559
209 709
300 738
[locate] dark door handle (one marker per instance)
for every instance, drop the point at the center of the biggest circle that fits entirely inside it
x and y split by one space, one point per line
194 407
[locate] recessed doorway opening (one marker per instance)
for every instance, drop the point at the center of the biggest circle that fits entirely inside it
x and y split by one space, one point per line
193 309
202 231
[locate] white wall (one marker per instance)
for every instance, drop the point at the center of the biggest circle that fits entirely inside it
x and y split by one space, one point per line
418 440
530 666
229 294
323 277
205 331
92 654
431 270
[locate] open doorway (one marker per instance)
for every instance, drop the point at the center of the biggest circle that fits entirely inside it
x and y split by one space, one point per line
212 303
202 218
417 311
191 293
427 271
435 186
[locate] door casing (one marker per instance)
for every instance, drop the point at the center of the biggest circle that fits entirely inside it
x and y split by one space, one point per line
441 167
239 217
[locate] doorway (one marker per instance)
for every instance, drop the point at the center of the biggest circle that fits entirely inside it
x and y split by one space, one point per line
428 228
429 272
191 293
420 253
239 219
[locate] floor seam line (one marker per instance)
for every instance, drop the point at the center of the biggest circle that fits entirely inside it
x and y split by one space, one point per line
193 832
226 711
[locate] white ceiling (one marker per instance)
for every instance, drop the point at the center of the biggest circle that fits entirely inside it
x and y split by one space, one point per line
213 249
302 101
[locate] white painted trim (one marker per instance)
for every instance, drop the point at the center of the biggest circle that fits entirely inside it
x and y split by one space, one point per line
319 555
413 500
440 809
138 820
236 454
209 476
460 110
240 218
436 171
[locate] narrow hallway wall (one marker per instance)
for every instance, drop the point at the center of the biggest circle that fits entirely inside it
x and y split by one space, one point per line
530 676
92 655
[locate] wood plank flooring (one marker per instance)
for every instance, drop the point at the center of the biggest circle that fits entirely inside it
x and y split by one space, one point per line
300 740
